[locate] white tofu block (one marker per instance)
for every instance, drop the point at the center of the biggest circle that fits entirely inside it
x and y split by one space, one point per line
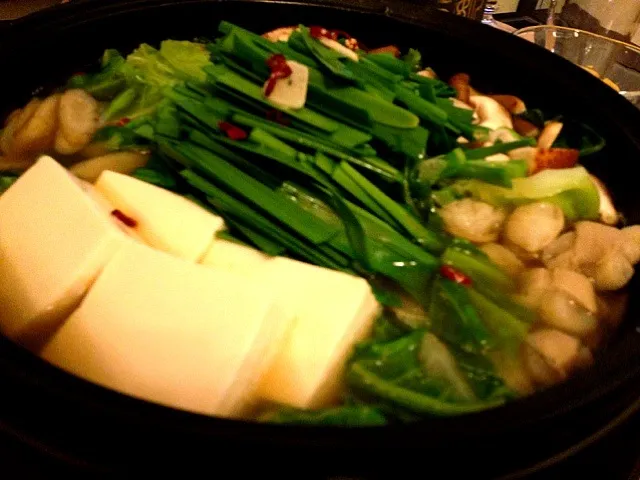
172 332
235 257
333 312
163 219
54 241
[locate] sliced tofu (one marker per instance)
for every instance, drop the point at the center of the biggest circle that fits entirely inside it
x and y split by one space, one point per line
235 257
164 220
165 330
54 241
333 311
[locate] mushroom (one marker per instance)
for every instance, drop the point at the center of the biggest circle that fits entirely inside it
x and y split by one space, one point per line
512 103
504 258
460 82
525 153
490 113
555 158
608 213
551 355
428 73
474 220
561 310
525 127
549 134
534 226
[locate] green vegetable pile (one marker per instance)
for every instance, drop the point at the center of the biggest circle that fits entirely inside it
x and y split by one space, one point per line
349 182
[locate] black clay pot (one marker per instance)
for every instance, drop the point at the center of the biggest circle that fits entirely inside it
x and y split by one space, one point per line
98 431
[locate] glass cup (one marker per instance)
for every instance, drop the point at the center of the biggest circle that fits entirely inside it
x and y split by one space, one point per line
616 63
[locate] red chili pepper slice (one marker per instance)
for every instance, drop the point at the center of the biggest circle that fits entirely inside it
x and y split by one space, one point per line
128 221
450 273
279 69
232 131
321 32
123 121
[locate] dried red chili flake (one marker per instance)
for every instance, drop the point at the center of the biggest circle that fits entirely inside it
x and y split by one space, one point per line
450 273
278 117
321 32
232 131
277 63
127 220
123 121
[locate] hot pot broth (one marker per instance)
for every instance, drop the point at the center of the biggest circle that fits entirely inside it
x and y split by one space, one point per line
313 152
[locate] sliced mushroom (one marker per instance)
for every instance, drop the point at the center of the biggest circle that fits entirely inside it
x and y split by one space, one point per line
474 220
576 285
534 226
490 113
512 103
428 73
608 213
551 356
504 258
525 127
555 158
549 134
527 154
460 82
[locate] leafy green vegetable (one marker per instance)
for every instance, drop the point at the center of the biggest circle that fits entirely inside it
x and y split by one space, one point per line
393 372
347 416
413 59
6 181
